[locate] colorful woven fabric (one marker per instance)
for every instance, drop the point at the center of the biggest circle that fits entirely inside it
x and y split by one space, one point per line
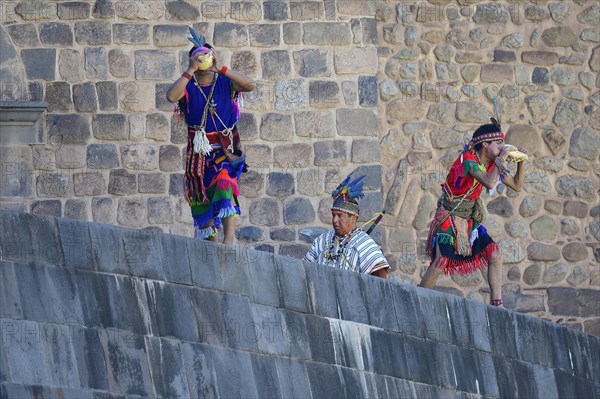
221 189
211 181
445 226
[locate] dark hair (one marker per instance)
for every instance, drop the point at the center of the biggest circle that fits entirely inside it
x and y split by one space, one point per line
195 47
484 129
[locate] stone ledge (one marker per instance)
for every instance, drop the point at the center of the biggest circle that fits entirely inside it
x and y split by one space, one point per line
21 122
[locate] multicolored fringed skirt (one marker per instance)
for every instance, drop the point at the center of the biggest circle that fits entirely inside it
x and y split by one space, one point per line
464 244
211 187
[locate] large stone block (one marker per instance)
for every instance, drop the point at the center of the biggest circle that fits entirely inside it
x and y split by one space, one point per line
131 212
575 186
573 302
542 58
110 127
102 156
291 94
525 136
122 182
96 63
140 156
228 34
73 10
58 96
403 110
68 129
131 33
575 252
89 184
264 35
107 96
160 210
69 65
559 36
85 98
275 64
366 151
39 63
119 63
93 33
265 211
312 63
293 378
327 34
170 35
155 65
356 122
584 143
23 35
544 228
182 11
324 94
298 211
165 360
317 124
280 184
155 183
56 34
135 380
76 209
276 127
291 156
251 184
543 252
355 60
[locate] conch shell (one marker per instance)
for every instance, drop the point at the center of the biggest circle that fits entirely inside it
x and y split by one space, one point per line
514 155
205 61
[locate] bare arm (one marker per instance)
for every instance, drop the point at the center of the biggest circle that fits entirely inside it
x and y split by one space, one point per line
241 81
177 89
487 180
516 182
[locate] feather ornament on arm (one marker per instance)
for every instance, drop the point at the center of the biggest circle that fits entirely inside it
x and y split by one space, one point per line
350 189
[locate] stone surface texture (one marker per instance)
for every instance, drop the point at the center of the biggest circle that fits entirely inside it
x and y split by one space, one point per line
276 327
397 88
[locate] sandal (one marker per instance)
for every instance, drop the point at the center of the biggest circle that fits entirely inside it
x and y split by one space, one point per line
497 303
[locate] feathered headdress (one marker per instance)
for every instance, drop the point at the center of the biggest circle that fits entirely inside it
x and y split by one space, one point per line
197 40
345 195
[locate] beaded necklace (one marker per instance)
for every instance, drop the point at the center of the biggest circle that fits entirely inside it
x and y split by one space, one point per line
330 254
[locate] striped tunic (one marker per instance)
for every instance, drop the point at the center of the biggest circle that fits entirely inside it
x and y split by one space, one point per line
360 254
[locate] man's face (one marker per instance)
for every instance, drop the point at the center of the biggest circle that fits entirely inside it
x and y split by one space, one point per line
494 148
343 222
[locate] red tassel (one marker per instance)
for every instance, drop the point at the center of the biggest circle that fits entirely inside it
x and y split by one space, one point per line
451 266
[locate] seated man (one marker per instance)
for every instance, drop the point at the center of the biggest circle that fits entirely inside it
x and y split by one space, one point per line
347 246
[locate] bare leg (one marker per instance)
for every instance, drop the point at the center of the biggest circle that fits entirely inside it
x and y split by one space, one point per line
214 236
495 275
228 230
433 272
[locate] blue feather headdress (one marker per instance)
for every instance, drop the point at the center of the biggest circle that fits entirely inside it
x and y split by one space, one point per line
345 195
197 40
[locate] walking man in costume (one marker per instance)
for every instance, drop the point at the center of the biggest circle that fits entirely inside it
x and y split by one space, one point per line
208 94
347 246
457 241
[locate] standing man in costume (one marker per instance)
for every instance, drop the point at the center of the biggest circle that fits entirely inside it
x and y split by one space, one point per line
208 94
457 241
347 246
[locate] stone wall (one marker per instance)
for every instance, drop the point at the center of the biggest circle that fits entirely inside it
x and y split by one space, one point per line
99 311
383 88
